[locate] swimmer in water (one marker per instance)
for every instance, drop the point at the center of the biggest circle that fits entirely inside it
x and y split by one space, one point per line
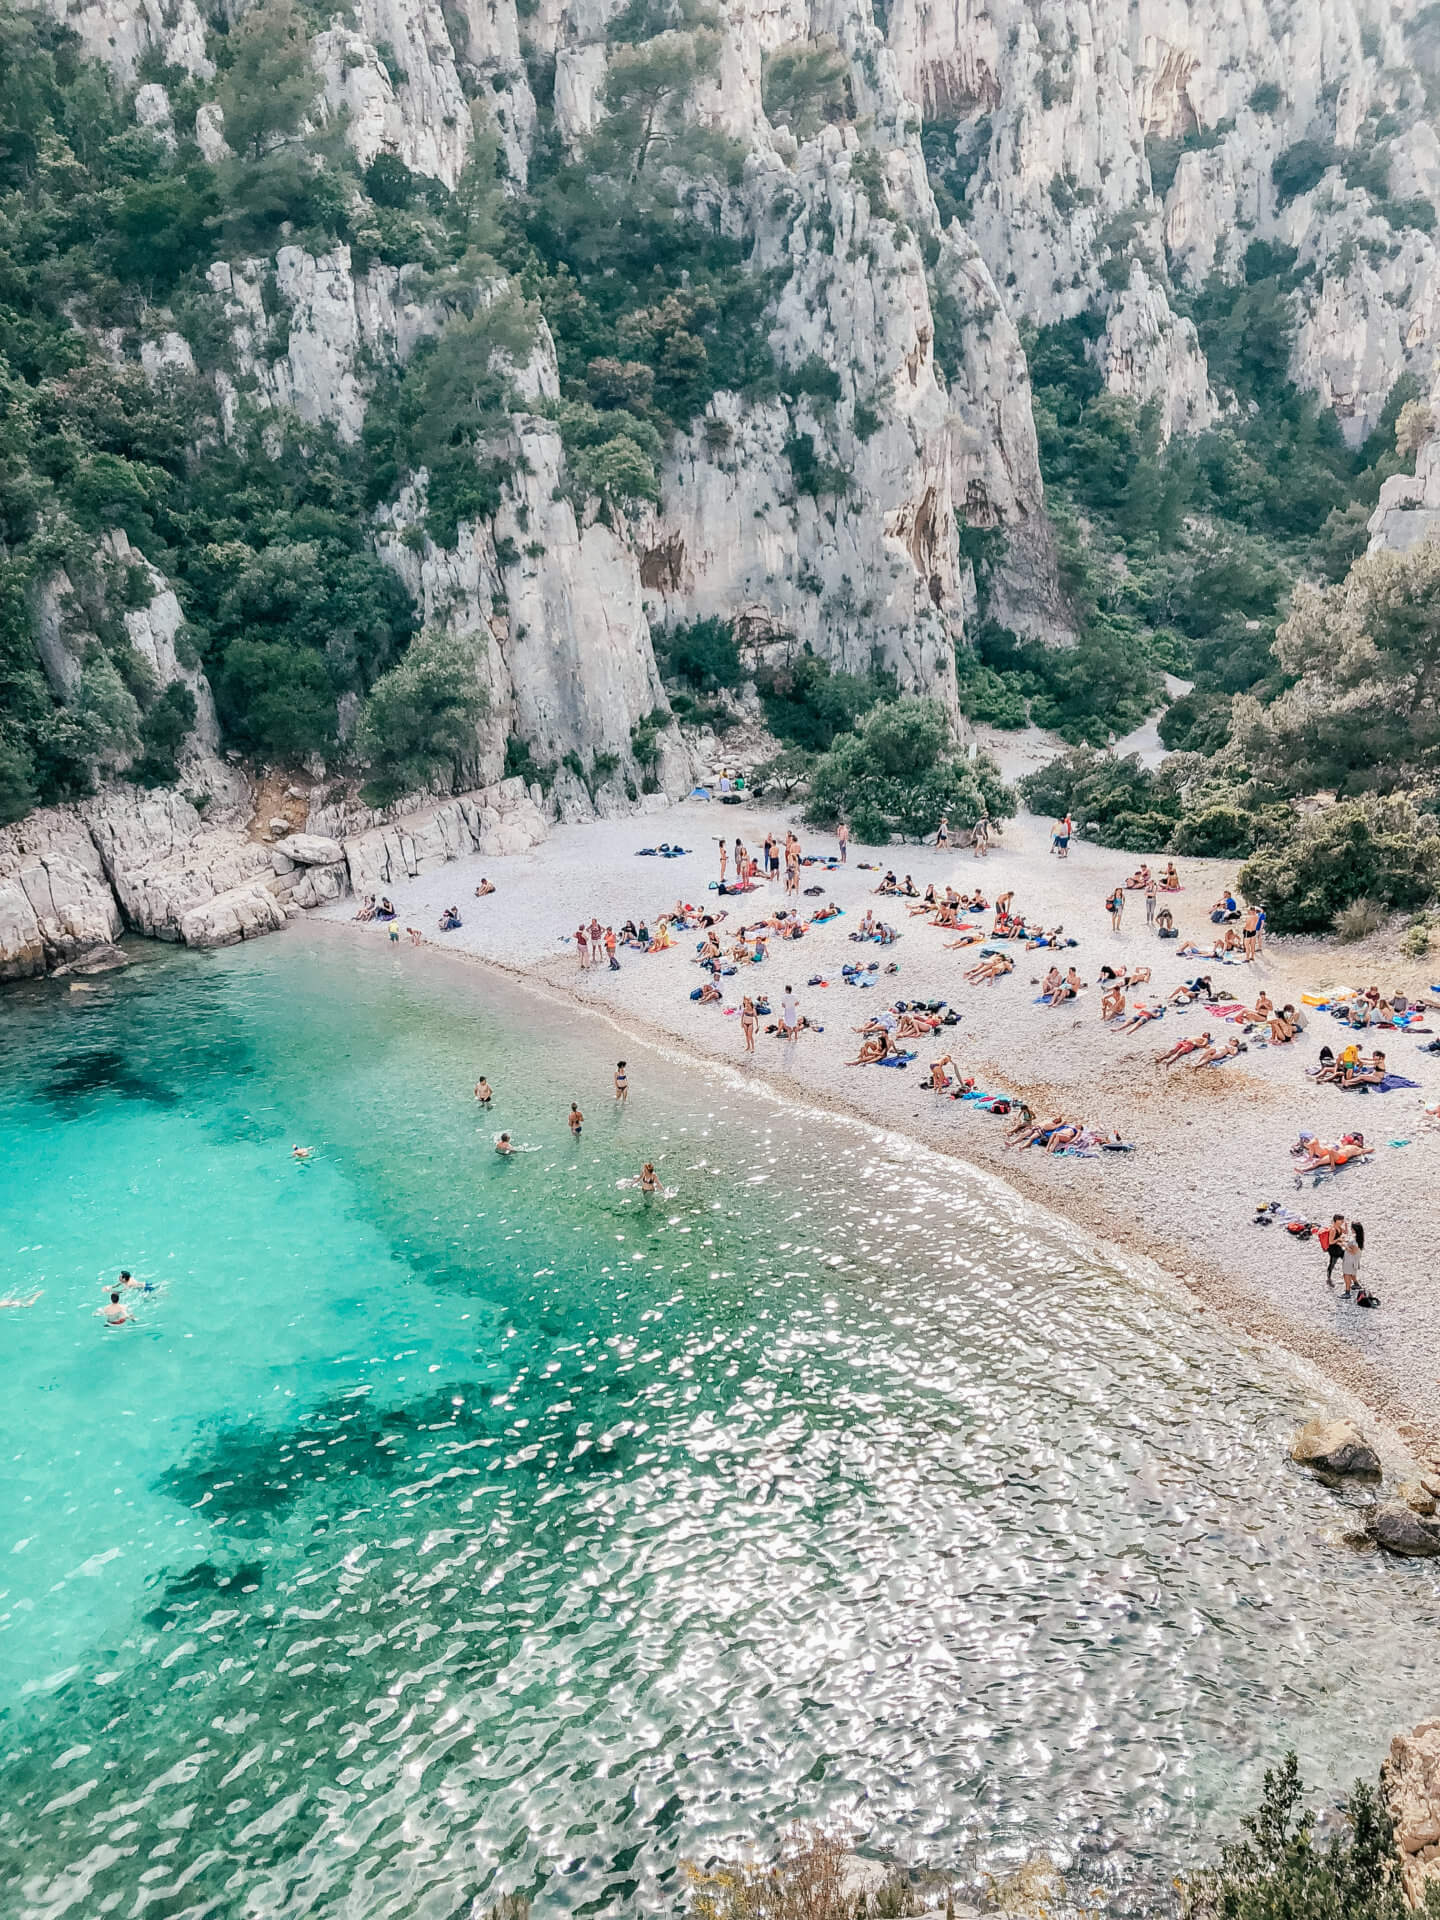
116 1314
301 1153
502 1145
649 1179
622 1083
577 1120
483 1092
23 1303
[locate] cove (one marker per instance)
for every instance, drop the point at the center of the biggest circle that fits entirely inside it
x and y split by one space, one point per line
447 1525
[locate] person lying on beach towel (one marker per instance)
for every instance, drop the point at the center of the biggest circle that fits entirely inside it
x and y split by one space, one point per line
990 970
1140 1016
1217 1056
828 912
1181 1048
1349 1147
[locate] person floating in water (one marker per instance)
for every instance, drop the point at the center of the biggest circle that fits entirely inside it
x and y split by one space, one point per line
127 1279
503 1144
23 1303
622 1083
483 1091
577 1120
301 1153
116 1314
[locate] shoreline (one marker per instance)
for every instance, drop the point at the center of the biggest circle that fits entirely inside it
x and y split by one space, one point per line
1324 1368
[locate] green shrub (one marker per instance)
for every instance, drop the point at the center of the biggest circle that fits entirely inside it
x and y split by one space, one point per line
702 653
1266 98
1196 723
896 773
163 732
807 702
1418 213
1218 832
1280 1870
1298 168
420 718
1371 849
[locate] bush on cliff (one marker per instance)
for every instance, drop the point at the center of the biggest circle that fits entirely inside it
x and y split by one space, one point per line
1385 850
1281 1869
420 718
896 773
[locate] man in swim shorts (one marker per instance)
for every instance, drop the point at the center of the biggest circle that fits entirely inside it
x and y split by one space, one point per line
577 1120
115 1314
502 1145
483 1091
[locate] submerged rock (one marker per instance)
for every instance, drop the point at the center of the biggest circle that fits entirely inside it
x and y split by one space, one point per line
1334 1446
1399 1529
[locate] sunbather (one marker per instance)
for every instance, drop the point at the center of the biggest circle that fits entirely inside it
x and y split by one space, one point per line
1350 1146
1181 1048
874 1047
990 970
1207 1056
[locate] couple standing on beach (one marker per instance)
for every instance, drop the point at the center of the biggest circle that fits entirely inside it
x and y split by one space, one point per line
1344 1241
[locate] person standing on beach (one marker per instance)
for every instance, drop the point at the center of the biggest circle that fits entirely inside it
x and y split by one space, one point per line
1350 1258
724 856
582 948
942 837
842 834
747 1023
1151 889
622 1084
577 1121
1332 1242
610 949
1116 904
789 1014
1250 932
595 932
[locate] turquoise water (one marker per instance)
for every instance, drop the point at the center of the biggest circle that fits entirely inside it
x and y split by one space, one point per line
447 1526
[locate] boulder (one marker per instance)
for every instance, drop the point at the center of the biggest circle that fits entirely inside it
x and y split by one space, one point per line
318 885
1399 1529
55 899
1334 1446
1417 1496
310 850
240 913
1410 1783
104 959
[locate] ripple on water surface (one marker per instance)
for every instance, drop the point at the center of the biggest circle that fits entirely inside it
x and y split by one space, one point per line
447 1524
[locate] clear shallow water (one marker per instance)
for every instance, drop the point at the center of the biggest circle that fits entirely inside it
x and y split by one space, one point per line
448 1525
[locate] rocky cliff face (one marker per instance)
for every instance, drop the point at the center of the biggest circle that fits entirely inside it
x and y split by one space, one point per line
1101 156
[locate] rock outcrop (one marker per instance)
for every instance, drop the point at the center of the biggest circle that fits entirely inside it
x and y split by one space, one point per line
496 820
56 902
1410 1783
1335 1446
1397 1528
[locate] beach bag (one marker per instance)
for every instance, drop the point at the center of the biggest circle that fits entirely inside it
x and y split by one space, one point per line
1365 1299
1168 933
1000 1106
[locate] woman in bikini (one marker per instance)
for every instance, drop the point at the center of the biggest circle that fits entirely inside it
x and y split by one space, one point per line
747 1023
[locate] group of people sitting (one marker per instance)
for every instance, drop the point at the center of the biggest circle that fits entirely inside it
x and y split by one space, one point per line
369 910
1371 1008
1351 1068
1057 987
872 929
1140 880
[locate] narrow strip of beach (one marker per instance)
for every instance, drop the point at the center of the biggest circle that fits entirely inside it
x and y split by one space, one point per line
1211 1146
